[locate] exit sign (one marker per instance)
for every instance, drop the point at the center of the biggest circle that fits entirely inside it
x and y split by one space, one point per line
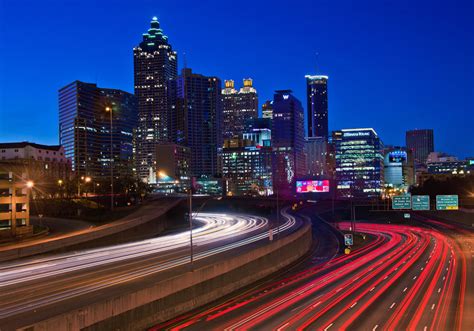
420 202
447 202
401 201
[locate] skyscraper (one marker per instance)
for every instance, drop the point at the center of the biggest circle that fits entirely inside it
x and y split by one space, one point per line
79 104
124 120
420 143
199 120
359 162
155 71
316 149
317 98
238 107
287 141
84 128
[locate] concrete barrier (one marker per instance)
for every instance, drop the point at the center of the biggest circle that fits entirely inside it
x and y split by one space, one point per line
160 300
78 237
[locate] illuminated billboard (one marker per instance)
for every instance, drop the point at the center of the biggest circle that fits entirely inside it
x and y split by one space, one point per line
397 156
312 186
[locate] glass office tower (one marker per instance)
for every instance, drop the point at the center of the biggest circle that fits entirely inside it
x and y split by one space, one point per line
155 72
359 162
317 107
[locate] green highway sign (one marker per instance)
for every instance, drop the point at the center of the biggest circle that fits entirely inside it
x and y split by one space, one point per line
447 202
420 202
401 201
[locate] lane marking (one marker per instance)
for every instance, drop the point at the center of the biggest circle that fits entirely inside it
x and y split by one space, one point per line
353 305
373 288
405 289
439 290
316 304
283 326
393 304
414 278
375 327
327 328
432 307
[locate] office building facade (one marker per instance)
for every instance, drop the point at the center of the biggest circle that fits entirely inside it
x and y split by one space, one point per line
238 107
317 105
200 121
85 129
155 73
246 168
287 141
421 144
316 150
173 167
359 163
399 172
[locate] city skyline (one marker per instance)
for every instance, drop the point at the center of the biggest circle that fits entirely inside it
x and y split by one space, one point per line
404 103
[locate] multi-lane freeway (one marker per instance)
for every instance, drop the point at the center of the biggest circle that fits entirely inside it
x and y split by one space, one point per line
37 288
404 277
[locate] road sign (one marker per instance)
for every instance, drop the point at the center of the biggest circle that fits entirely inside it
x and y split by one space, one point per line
406 215
420 202
447 202
401 201
348 240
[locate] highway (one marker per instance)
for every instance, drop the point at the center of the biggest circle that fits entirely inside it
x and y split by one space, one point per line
407 276
36 288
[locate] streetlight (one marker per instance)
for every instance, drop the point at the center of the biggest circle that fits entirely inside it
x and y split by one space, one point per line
109 110
191 222
30 184
60 183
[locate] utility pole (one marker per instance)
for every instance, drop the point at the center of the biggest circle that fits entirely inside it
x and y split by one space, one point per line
109 109
278 213
191 226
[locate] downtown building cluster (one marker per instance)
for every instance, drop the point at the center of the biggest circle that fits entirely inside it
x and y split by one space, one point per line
184 129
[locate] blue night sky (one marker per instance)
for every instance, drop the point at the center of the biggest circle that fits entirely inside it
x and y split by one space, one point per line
392 65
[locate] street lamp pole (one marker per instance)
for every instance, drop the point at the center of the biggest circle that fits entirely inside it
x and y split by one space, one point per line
278 212
191 226
109 109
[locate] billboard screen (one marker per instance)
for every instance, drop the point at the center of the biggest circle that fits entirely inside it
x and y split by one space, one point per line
397 156
312 186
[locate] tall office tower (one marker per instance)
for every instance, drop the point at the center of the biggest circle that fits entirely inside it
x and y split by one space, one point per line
84 128
78 107
421 143
238 107
287 141
155 70
123 106
317 96
229 106
200 116
316 149
267 109
359 162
